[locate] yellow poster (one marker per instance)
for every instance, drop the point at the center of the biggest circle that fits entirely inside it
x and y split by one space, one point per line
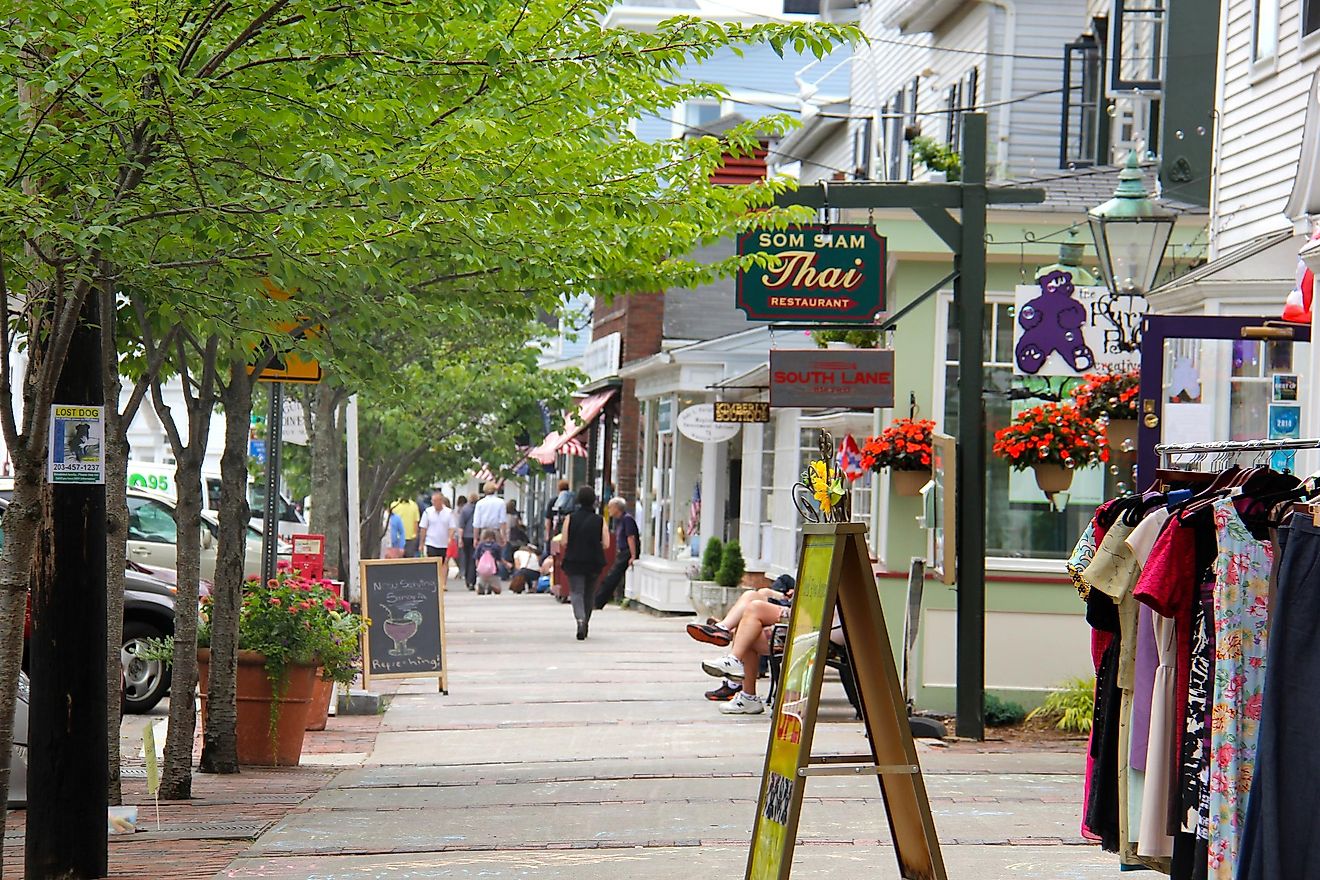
789 748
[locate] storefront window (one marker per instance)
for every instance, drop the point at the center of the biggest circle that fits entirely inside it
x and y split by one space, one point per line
1020 522
767 486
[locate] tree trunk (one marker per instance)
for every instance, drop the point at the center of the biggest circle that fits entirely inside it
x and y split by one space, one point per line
176 776
22 518
327 475
220 740
116 534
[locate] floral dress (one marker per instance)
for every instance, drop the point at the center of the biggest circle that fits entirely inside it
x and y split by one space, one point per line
1242 581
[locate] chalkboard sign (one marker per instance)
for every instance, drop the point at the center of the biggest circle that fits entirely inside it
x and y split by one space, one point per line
405 601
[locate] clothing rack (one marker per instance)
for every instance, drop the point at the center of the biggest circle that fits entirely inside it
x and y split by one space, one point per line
1228 449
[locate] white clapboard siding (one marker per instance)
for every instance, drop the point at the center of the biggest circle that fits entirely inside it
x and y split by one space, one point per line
976 37
1261 112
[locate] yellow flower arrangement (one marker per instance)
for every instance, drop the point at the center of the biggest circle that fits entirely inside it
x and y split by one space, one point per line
827 492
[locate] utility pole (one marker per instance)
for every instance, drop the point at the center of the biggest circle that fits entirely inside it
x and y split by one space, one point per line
965 237
270 535
67 779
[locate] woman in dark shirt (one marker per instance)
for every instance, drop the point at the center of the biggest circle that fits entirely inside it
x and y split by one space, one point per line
585 539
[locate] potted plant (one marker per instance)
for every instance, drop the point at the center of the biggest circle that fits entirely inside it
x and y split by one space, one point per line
1111 400
289 628
708 598
732 567
1053 439
905 448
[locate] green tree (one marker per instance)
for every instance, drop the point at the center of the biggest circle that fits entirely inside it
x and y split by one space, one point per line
406 162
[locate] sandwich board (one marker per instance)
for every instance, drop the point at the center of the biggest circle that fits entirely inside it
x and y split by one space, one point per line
835 571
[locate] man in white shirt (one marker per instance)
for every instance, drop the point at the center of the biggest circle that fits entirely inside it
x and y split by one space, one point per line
435 526
491 513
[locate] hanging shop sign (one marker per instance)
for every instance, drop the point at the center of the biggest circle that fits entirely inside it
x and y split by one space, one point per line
699 423
1062 330
861 378
742 412
831 273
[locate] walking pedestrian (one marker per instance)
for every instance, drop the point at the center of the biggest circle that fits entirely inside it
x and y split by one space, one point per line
435 527
626 536
409 515
490 513
559 507
467 563
585 539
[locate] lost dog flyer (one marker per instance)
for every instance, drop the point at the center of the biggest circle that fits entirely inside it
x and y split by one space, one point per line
77 445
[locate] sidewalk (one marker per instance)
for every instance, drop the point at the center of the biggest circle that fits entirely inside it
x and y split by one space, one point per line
200 837
586 761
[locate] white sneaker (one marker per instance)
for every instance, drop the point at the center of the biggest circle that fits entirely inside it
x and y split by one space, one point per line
727 666
743 704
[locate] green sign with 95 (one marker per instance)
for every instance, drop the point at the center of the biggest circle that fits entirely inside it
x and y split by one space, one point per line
824 273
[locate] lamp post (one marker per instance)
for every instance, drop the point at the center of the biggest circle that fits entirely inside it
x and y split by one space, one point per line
1131 232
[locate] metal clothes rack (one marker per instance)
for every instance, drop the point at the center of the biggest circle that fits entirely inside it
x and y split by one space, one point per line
1226 450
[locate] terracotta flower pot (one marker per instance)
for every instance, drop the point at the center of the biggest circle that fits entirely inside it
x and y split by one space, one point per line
1122 435
256 696
1052 478
318 712
907 484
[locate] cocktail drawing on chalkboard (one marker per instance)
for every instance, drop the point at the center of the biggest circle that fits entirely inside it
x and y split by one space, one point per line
400 630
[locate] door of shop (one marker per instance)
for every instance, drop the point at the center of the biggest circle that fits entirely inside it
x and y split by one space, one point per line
1209 378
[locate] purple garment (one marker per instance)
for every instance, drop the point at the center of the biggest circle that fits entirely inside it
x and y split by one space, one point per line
1142 688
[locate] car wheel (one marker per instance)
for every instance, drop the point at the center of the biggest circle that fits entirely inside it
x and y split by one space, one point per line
146 682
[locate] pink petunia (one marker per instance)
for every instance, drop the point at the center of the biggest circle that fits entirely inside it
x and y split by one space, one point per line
275 600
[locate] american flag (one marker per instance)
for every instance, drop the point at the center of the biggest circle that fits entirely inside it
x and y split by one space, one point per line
850 458
574 447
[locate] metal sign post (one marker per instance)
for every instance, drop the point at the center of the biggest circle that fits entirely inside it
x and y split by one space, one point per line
965 237
270 522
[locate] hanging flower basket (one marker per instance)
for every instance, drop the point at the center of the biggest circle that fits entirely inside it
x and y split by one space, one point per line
1111 400
1052 478
1054 439
904 447
908 484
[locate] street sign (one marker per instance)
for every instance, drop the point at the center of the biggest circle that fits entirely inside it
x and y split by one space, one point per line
742 412
698 423
834 571
825 273
860 377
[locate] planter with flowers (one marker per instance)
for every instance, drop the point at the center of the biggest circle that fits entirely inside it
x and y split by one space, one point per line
905 448
1052 439
1111 400
290 628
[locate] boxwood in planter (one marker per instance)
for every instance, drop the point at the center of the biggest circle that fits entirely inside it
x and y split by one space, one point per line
732 566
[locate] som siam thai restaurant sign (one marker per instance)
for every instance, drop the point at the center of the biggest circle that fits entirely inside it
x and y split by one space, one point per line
862 378
824 273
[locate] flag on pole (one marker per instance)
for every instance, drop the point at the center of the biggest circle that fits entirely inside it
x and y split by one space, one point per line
850 458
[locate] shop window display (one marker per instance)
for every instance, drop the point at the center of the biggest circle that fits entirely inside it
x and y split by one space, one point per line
1021 522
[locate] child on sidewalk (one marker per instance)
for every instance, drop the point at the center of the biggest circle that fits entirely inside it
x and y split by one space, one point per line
490 569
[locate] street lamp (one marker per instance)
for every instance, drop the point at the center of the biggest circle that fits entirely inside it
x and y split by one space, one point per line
1131 232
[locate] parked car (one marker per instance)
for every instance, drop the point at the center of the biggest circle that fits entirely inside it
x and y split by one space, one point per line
148 614
153 533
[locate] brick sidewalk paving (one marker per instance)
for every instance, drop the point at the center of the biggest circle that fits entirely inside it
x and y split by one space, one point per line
199 838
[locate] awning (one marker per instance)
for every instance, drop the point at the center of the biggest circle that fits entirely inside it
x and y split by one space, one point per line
588 410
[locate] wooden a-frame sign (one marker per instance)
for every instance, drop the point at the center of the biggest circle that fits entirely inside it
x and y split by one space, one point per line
835 570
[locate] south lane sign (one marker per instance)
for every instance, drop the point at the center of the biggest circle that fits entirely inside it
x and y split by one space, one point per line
861 377
825 273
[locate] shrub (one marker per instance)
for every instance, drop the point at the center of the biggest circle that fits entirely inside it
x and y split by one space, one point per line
732 566
711 557
1071 707
1002 713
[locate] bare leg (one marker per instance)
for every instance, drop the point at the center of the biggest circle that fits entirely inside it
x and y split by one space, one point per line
750 641
735 615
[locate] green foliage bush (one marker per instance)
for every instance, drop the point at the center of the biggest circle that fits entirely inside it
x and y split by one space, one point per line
1003 713
732 566
711 558
1071 707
